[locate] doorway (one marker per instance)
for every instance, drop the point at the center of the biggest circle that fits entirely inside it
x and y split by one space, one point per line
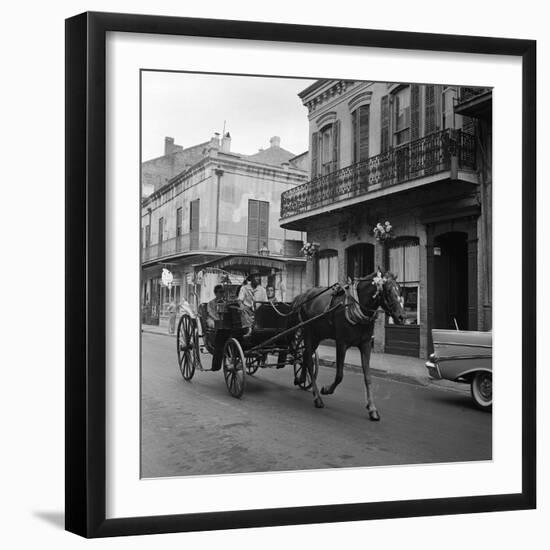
360 260
451 281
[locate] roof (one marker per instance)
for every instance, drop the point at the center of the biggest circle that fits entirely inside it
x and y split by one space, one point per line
273 155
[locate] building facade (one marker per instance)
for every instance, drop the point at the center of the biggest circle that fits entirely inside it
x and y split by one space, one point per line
224 203
403 154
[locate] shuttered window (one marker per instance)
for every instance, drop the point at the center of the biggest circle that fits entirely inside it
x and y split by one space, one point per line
415 111
432 109
314 155
360 123
161 230
179 221
194 220
335 145
327 268
385 124
258 226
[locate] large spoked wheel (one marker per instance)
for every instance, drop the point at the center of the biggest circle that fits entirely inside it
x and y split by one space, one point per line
234 367
254 362
187 346
482 390
298 349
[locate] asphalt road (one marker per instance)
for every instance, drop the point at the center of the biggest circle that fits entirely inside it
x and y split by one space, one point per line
197 428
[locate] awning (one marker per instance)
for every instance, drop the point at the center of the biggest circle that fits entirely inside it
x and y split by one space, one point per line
243 263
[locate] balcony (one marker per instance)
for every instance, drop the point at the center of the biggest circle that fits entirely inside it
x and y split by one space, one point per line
423 158
475 102
222 243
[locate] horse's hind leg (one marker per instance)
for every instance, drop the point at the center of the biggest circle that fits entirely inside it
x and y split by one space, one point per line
365 350
340 357
309 350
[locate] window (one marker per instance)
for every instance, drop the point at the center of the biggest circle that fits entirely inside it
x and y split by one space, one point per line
327 268
325 150
258 226
360 131
402 116
404 263
179 221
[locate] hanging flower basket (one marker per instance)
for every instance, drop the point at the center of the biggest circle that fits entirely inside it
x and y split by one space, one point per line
310 249
383 231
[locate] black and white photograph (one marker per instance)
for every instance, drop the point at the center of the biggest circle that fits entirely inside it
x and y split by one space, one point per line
316 273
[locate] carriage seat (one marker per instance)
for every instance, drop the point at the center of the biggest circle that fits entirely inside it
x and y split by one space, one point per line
266 318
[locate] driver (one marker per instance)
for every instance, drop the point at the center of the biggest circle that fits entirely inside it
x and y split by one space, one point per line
251 292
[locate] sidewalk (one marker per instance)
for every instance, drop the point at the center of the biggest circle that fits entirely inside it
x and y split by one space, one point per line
396 367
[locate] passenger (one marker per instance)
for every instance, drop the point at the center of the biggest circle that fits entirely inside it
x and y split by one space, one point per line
252 291
213 306
270 293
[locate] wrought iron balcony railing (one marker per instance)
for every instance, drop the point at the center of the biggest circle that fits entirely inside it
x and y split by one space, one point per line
426 156
223 242
467 93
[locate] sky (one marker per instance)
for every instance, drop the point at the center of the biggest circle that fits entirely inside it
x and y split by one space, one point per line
190 107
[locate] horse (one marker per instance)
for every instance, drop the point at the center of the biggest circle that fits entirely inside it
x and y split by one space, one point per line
351 311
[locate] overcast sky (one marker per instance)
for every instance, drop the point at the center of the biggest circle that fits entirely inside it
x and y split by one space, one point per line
190 107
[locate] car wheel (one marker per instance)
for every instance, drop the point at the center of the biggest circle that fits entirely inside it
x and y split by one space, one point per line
482 390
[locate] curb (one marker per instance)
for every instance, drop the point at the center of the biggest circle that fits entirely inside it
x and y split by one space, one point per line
380 373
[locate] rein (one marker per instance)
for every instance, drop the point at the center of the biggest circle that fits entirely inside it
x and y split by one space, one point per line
354 311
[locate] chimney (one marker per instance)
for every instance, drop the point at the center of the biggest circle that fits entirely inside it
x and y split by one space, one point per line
275 141
215 141
226 143
168 145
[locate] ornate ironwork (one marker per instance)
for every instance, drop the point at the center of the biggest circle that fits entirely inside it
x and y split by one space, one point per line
419 158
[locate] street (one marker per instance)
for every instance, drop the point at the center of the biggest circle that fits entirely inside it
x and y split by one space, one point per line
197 428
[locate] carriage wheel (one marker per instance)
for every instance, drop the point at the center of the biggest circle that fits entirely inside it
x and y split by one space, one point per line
187 346
252 365
298 352
233 367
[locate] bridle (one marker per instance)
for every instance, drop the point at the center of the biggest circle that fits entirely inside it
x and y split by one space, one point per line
355 312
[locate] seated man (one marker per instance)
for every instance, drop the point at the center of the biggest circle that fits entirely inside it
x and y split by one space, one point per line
214 306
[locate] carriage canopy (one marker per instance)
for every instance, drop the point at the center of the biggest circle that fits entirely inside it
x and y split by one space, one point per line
244 264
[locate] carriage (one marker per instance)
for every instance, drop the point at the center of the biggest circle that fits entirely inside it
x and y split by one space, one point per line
274 340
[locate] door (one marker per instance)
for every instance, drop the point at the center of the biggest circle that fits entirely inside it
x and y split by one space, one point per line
451 281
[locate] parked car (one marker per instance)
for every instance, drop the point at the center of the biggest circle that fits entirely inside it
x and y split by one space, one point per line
464 356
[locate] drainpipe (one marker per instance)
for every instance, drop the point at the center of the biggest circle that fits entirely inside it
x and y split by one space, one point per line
219 174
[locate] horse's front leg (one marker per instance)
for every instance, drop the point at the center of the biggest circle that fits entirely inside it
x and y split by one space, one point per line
365 349
340 358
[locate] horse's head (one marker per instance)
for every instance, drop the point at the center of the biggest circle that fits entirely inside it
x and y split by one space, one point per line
390 298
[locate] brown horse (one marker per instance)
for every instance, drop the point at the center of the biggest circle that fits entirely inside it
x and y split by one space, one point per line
349 322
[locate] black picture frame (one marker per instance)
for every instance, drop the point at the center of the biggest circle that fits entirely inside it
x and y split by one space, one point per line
86 284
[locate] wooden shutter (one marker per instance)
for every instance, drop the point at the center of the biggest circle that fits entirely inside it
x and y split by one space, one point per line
253 245
385 124
314 155
263 224
335 145
161 230
194 219
415 111
429 110
179 221
364 117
